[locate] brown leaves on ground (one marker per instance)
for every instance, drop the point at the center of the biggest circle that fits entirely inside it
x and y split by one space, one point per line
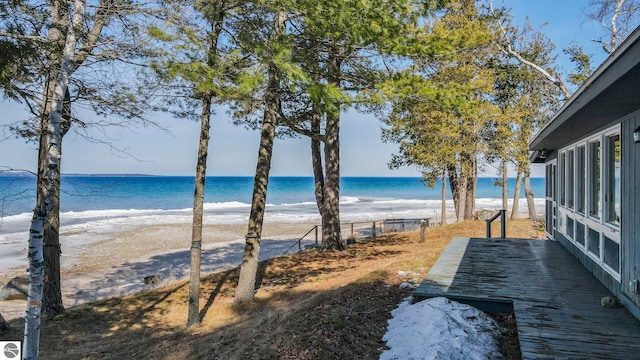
311 305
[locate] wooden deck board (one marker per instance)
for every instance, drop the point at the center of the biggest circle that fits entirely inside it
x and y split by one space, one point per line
555 299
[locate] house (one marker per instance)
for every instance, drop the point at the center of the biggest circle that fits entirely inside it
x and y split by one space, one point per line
591 150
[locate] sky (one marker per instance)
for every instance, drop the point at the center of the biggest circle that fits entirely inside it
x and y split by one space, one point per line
233 150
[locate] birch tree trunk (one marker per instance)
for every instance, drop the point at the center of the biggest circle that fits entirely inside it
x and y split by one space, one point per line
516 196
52 289
443 206
529 194
52 293
249 267
48 170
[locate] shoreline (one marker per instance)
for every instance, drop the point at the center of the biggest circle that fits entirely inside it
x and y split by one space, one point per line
105 262
116 265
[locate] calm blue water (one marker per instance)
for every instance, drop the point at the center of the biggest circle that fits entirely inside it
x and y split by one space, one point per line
90 193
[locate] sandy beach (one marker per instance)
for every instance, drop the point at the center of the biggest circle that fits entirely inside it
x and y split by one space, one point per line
101 260
117 263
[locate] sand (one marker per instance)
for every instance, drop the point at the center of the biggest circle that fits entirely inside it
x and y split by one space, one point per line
117 263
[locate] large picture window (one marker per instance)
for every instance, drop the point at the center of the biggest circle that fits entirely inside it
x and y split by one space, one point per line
589 190
612 180
563 179
581 178
570 178
594 179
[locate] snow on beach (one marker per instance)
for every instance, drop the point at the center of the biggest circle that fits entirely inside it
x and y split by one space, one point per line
440 329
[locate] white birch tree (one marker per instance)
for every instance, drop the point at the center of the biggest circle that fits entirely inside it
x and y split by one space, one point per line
47 180
109 43
618 17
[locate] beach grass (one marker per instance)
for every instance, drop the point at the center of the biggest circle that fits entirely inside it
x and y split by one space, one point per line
310 305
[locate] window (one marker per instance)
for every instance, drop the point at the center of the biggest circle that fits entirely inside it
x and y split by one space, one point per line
611 254
579 233
549 183
581 170
570 233
612 180
563 178
593 242
594 179
570 179
590 197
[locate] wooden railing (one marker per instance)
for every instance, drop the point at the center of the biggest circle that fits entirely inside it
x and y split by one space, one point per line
299 241
378 226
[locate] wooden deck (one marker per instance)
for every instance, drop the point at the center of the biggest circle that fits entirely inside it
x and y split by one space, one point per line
556 300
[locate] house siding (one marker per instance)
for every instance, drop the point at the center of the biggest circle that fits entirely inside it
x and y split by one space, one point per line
625 289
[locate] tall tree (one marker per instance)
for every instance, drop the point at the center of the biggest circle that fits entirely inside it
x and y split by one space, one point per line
47 179
249 267
41 30
530 89
201 67
341 46
214 13
441 113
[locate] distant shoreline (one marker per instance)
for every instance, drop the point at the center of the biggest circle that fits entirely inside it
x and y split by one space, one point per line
15 173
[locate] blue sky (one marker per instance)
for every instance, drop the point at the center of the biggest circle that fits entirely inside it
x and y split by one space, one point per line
233 150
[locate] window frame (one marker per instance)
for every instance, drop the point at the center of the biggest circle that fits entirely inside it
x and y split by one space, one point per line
595 162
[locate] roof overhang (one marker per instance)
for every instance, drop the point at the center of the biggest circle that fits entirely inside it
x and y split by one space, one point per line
612 92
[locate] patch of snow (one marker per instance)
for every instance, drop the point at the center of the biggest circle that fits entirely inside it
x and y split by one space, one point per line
440 329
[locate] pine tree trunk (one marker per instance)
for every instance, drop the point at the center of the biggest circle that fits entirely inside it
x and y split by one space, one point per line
249 267
505 188
454 184
48 170
529 194
316 160
462 195
52 291
331 237
193 317
470 199
516 196
470 194
443 206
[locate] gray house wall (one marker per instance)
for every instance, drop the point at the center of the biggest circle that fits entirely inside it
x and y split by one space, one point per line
627 288
608 100
630 226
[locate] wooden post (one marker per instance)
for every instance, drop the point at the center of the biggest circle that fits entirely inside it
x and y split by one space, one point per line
316 229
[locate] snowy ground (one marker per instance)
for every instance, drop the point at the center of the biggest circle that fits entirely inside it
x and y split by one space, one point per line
440 329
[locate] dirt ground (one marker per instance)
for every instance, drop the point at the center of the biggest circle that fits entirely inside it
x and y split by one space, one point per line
311 305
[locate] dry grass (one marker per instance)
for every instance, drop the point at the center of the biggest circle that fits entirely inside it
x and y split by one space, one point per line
313 305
